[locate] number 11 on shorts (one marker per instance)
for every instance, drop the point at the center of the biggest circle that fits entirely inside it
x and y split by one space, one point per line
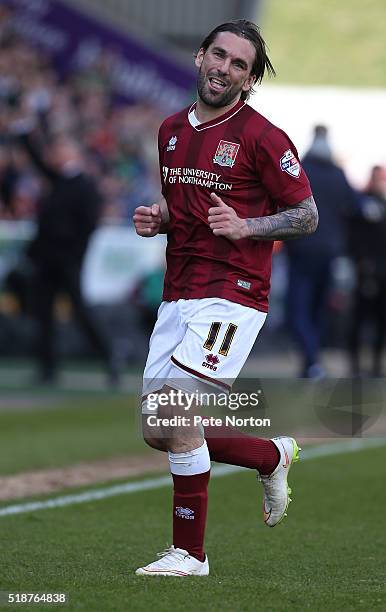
213 335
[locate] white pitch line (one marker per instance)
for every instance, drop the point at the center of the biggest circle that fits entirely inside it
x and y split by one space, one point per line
323 450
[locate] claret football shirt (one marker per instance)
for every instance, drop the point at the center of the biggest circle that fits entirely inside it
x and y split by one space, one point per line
254 167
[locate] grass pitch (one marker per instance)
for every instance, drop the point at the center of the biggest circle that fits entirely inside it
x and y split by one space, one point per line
328 555
56 430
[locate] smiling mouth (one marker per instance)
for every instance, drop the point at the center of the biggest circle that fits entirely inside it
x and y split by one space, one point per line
217 84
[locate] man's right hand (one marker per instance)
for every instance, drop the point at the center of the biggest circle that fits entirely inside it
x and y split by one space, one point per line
147 220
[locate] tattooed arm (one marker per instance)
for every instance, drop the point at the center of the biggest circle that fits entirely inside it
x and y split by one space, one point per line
291 222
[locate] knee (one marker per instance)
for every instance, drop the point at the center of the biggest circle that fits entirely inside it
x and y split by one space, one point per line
157 443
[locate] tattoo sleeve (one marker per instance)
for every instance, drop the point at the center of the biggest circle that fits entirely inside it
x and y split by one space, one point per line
292 222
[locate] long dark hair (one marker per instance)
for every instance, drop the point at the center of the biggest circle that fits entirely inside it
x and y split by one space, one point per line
250 31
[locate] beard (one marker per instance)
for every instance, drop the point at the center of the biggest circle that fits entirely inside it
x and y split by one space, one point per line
216 100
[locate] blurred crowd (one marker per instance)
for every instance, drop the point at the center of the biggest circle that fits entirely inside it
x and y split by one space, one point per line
71 157
118 141
352 227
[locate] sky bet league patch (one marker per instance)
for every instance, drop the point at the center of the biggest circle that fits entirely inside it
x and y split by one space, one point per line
289 164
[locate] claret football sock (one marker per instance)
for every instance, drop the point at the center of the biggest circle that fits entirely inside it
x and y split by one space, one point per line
190 502
230 445
191 473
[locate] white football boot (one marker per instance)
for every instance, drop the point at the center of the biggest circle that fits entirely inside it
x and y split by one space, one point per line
276 490
175 562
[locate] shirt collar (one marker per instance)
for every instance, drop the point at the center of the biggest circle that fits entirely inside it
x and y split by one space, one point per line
208 124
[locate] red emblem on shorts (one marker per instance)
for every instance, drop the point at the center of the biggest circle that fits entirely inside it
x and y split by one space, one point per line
211 362
213 359
226 153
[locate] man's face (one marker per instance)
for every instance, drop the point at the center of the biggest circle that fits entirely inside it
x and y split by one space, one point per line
225 69
378 182
62 153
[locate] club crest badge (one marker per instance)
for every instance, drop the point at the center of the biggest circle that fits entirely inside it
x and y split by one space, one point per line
226 153
289 164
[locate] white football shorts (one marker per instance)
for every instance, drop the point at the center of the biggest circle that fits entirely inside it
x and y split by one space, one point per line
206 340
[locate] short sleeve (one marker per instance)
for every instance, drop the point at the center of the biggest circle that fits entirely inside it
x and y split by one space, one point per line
280 170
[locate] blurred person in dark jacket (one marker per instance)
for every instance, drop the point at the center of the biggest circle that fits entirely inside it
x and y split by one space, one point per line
310 258
368 251
67 215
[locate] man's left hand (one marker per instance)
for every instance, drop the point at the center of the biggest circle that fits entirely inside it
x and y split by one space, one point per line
223 220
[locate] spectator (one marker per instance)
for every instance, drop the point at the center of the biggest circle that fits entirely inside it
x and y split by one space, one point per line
67 215
367 246
310 258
